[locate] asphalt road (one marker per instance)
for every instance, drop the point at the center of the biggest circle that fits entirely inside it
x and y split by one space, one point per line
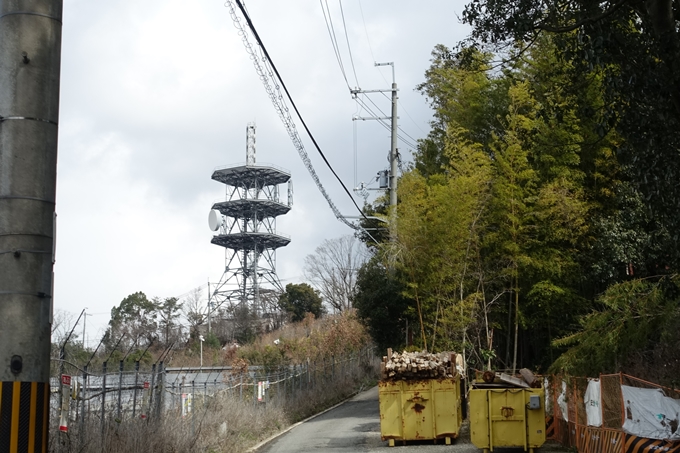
354 427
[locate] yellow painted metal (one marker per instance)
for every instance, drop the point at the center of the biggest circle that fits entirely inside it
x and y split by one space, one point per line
420 410
500 417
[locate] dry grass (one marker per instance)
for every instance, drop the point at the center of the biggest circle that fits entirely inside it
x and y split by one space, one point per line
220 424
224 425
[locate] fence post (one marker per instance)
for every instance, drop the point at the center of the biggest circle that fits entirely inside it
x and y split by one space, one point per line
151 390
134 392
120 391
181 395
278 386
192 414
103 402
82 407
161 390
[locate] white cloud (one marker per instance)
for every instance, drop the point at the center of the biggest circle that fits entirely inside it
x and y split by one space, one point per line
156 94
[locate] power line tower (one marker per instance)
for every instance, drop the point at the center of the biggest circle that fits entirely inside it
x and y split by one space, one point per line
246 228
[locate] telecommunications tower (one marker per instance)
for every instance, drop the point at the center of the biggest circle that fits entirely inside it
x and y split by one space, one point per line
246 228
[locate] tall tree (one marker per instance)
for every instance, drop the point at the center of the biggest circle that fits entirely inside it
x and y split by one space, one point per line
465 99
634 49
169 311
333 267
194 310
136 319
437 234
382 306
299 299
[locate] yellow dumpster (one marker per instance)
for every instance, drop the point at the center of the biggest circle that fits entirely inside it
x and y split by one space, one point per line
506 417
420 409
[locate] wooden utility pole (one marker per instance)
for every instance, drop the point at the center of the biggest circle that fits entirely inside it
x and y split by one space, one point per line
30 58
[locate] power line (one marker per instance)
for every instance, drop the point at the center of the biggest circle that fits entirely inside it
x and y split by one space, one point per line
410 117
381 121
334 41
349 49
363 19
282 109
370 48
411 144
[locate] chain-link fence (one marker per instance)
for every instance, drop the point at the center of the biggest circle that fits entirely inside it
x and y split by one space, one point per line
90 407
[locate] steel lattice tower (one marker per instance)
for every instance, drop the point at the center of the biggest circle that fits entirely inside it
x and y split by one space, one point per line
247 230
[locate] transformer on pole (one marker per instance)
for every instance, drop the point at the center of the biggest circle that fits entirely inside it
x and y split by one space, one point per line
246 228
30 60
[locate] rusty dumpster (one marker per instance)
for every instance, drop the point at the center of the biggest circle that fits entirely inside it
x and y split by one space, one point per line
506 416
420 409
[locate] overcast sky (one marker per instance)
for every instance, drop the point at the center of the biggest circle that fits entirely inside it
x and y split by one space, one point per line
156 94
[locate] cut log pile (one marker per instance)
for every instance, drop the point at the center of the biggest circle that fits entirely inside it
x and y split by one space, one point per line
418 365
525 379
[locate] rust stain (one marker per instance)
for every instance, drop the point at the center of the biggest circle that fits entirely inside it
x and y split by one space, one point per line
418 408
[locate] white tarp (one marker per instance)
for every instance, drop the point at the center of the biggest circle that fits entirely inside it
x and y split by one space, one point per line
650 414
562 402
591 399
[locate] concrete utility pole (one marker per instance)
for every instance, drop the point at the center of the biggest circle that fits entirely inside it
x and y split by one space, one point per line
394 152
30 58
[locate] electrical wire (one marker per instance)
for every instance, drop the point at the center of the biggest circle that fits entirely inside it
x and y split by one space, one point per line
349 49
370 48
363 19
334 40
281 108
329 26
410 117
381 121
398 127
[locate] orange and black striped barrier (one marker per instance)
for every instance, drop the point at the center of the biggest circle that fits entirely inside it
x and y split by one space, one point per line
636 444
24 414
550 427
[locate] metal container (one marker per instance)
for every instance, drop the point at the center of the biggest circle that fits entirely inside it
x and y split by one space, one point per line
507 417
420 410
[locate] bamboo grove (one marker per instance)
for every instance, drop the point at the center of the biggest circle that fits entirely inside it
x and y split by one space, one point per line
524 234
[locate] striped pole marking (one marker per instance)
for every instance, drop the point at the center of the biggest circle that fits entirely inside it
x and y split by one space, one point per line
23 416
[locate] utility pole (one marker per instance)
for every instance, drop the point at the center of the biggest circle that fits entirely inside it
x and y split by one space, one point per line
85 315
209 306
30 59
394 152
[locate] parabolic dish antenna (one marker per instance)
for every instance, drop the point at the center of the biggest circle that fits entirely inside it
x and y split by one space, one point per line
213 221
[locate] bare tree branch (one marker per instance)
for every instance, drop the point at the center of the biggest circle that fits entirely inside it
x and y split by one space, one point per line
333 268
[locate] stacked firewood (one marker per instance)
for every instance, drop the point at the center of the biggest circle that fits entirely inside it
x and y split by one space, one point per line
418 365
